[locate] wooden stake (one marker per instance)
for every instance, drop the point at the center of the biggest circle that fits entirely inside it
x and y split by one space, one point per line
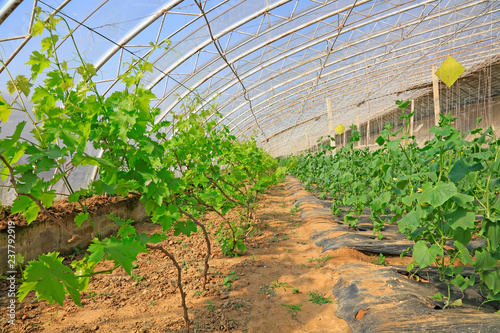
367 133
330 122
412 117
358 128
435 87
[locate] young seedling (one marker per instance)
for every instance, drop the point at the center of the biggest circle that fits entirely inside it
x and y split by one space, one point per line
439 296
295 209
321 261
210 306
277 285
295 291
229 279
318 298
293 308
381 260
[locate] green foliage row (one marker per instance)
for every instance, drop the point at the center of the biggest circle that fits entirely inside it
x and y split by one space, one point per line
198 166
444 193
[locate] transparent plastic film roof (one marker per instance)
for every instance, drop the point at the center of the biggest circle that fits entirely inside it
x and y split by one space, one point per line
271 66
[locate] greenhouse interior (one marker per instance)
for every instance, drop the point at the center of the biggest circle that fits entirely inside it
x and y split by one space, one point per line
249 166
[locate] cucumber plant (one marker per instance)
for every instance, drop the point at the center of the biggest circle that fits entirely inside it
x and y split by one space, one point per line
442 195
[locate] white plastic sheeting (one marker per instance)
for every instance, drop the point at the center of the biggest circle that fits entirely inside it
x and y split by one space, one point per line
287 56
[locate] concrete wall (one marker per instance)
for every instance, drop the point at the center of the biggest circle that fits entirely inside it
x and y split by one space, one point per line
42 237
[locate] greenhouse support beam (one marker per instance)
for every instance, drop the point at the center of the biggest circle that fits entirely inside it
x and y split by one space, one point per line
358 128
330 121
435 88
304 46
360 89
137 30
307 138
8 8
412 118
28 38
389 67
367 132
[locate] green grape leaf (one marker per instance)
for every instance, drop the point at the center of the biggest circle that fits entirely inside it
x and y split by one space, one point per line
51 280
26 182
122 251
5 110
154 238
32 213
37 28
126 230
48 198
185 228
38 63
20 84
425 256
25 288
20 204
80 218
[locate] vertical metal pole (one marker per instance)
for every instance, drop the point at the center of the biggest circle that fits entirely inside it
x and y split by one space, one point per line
330 121
412 117
368 133
358 128
307 139
435 87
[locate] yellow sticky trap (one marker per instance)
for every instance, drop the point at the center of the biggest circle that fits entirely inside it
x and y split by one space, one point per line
340 129
450 71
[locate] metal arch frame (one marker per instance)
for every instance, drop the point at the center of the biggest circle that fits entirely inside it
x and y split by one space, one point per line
318 102
8 8
28 37
378 75
329 79
391 10
245 74
278 37
329 88
143 26
137 30
342 59
351 56
319 56
224 66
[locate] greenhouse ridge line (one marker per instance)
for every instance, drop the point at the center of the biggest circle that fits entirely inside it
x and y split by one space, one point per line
120 46
218 47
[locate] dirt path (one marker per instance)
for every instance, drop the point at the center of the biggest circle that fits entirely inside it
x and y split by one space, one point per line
281 255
